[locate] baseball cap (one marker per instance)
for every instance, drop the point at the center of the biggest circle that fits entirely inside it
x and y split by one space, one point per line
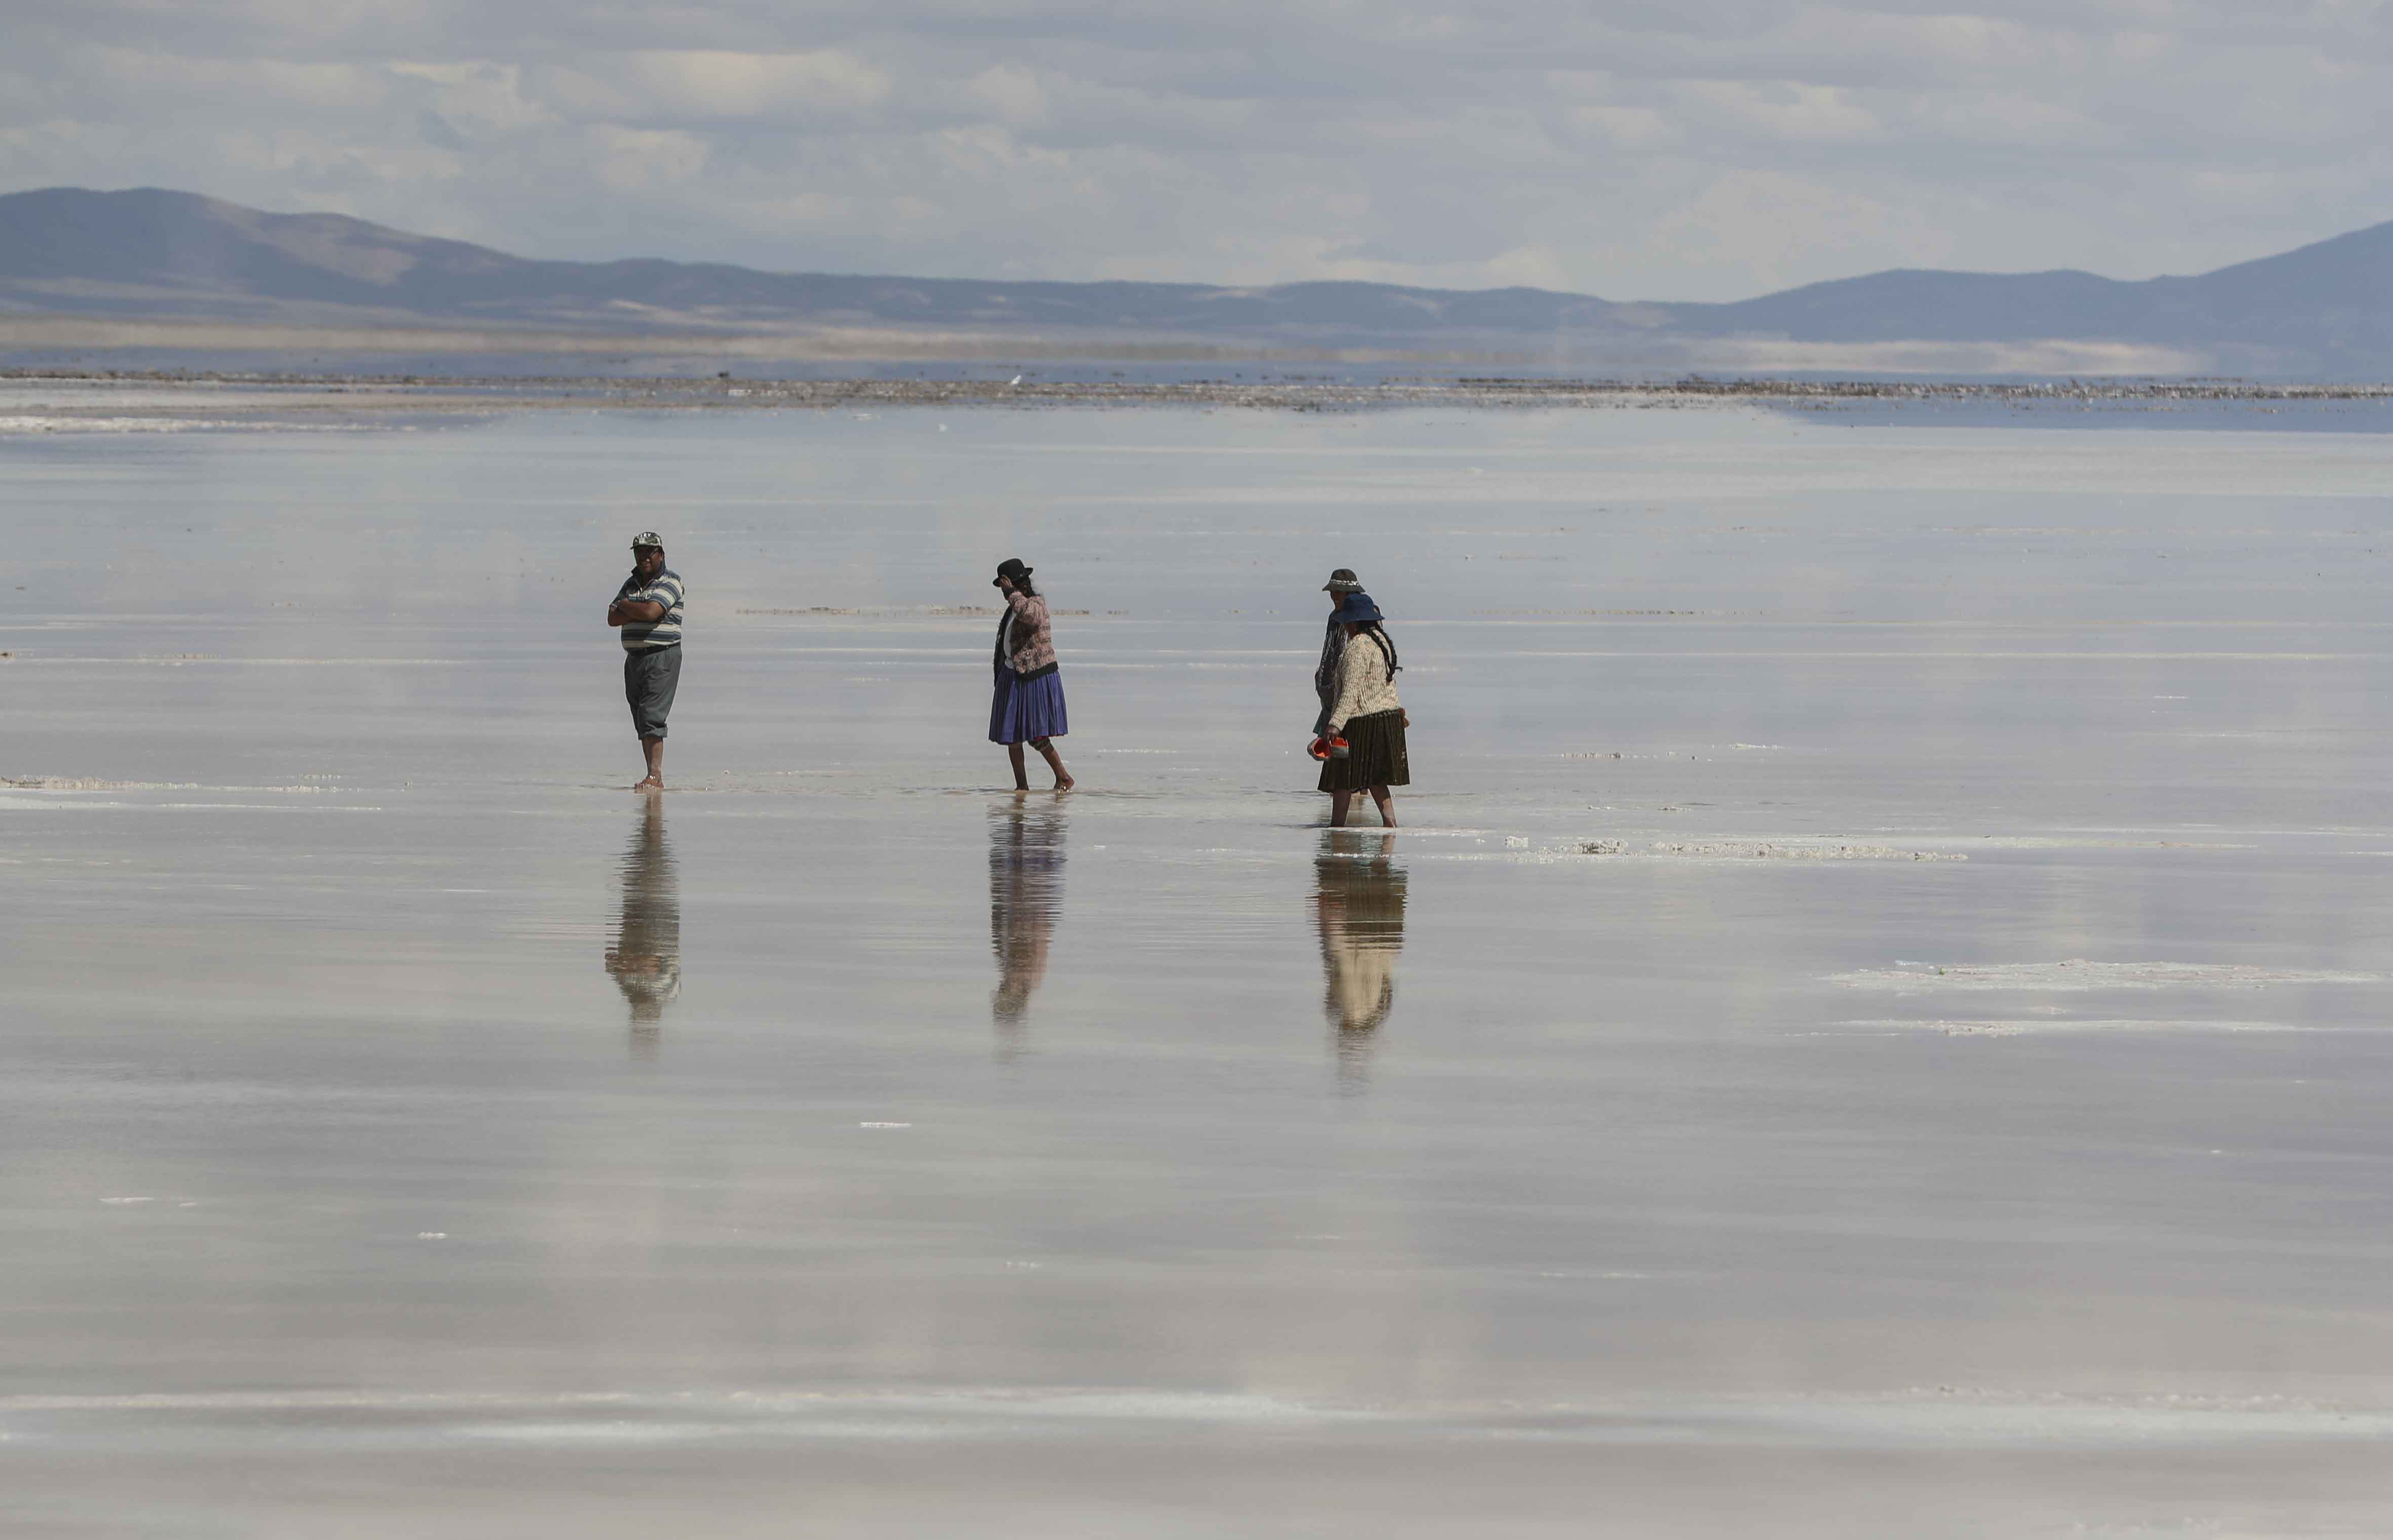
646 537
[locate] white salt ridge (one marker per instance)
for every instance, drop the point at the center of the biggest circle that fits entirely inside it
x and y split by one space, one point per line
186 660
86 783
1957 655
26 424
1174 1406
1966 1421
1943 1417
2079 973
36 804
2048 841
1762 850
2044 1027
250 808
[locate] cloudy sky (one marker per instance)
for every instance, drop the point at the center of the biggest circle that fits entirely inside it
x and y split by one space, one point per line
1633 148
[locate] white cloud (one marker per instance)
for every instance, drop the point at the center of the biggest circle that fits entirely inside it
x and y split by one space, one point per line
1821 114
636 160
714 85
479 93
1530 267
1779 227
1010 92
1660 148
1631 128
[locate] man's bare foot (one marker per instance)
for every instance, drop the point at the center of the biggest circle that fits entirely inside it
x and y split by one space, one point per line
651 784
1065 784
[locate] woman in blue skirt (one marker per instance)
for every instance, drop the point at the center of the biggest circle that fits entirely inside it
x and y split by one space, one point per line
1028 707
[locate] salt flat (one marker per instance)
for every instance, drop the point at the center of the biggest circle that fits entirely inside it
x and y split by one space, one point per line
405 1127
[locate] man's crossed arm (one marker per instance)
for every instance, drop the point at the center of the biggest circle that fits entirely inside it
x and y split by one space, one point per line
626 612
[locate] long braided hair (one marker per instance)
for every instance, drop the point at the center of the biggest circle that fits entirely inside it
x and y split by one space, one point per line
1387 647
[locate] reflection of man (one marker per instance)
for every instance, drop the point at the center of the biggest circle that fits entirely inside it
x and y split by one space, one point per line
647 609
1359 901
1025 886
646 958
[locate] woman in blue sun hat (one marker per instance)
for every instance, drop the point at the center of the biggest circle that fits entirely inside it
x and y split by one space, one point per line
1364 714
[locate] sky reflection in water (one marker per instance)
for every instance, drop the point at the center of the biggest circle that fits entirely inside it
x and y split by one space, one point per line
300 946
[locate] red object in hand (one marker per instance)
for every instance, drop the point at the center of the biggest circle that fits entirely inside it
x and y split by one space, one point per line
1318 748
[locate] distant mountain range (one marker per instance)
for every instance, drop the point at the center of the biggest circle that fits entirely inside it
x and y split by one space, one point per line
2324 310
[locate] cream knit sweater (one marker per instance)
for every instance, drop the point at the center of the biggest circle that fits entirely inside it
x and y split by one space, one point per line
1364 685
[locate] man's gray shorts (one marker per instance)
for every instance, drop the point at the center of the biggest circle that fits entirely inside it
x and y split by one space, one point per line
650 676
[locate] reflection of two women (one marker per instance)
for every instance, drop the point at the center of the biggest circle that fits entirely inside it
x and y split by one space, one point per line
1026 886
1358 901
646 958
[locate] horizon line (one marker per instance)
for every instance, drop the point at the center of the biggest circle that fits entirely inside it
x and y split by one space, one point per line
1194 284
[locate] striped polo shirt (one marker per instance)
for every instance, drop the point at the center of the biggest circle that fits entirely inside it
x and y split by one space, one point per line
664 589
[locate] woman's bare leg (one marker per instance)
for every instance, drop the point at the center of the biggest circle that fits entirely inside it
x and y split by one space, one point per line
1046 748
1337 800
1387 802
1021 776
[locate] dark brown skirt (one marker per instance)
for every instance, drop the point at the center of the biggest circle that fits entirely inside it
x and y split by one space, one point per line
1375 757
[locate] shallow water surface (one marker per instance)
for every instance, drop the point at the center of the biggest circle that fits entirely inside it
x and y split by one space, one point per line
1875 1022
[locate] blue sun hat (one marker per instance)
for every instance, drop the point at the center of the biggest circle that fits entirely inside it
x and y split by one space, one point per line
1358 609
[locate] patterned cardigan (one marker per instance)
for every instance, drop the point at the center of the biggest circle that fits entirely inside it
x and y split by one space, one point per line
1364 686
1025 626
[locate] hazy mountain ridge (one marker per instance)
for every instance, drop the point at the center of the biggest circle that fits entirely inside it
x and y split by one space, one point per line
2323 308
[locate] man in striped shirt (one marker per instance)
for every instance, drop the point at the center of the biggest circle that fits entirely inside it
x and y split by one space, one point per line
647 607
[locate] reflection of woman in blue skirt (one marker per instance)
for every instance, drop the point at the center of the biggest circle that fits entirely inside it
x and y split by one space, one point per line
1028 707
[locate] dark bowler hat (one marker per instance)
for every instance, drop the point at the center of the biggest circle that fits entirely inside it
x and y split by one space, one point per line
1342 581
1356 609
1010 568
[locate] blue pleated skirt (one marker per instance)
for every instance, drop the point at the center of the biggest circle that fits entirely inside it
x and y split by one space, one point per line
1026 710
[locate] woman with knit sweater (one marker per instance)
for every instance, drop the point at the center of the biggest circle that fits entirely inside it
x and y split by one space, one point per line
1029 706
1366 713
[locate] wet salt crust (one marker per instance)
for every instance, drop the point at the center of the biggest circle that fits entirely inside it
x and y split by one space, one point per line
402 1129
